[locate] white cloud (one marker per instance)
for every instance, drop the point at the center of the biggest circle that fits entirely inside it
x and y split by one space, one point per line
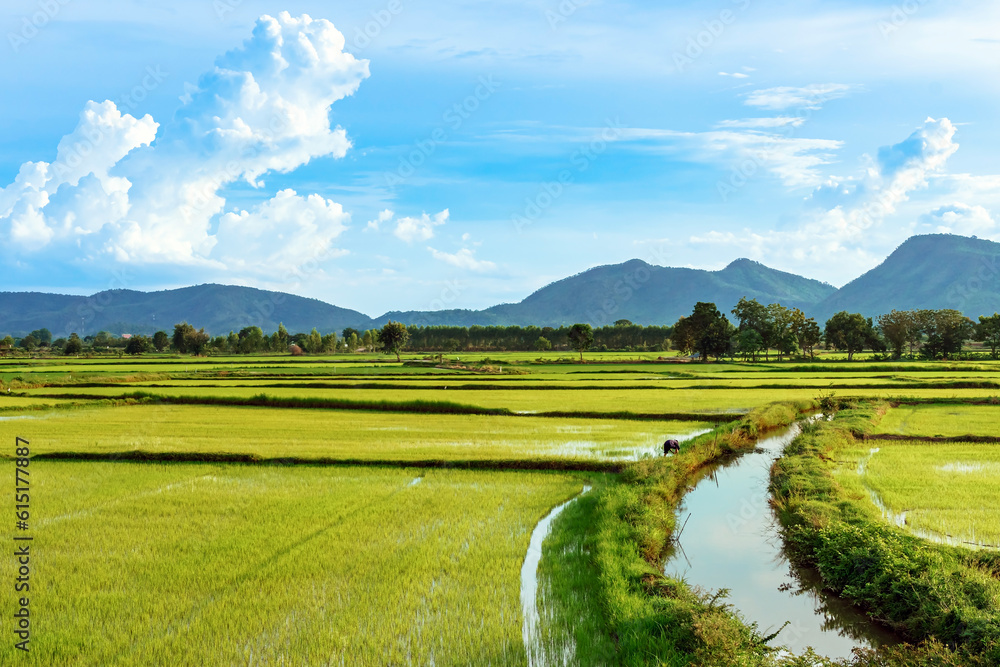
855 204
735 75
383 217
838 230
959 218
809 97
792 159
281 236
463 259
763 123
419 229
263 108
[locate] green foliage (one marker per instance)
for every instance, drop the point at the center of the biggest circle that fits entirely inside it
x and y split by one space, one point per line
138 345
392 338
921 589
74 345
706 331
187 340
581 337
850 332
988 332
161 341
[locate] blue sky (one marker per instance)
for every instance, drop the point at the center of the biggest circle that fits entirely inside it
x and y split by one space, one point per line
403 155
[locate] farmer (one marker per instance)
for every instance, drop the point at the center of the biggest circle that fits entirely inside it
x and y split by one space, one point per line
671 446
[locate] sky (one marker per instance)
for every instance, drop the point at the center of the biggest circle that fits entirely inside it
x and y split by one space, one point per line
399 155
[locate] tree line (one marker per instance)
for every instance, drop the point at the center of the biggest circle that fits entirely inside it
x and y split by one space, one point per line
931 334
759 331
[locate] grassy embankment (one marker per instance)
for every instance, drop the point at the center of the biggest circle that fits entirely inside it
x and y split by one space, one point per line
947 597
656 619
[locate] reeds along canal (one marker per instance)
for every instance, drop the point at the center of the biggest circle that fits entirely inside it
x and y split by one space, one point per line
732 541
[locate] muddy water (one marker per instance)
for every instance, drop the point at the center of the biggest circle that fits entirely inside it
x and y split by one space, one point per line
732 541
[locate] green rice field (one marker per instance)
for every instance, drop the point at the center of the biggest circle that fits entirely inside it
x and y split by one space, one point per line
377 546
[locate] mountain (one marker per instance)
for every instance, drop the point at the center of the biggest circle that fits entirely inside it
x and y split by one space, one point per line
928 271
637 291
217 308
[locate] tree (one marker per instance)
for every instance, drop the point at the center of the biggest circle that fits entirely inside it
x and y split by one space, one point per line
43 336
754 315
782 328
988 332
946 330
352 341
138 345
749 344
368 340
346 333
899 327
849 332
623 323
281 338
314 342
160 341
7 344
392 338
706 331
187 340
807 332
581 337
251 340
73 345
29 343
543 344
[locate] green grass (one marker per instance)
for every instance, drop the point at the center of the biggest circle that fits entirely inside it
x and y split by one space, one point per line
941 420
923 590
949 489
276 433
197 564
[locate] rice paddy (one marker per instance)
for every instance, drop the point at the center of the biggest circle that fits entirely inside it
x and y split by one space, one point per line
396 555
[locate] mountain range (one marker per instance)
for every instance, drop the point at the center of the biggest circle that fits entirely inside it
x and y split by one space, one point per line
928 271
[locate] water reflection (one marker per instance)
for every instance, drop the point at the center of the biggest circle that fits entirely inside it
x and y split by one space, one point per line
732 540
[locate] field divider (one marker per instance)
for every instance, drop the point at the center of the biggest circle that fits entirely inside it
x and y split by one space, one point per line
929 438
415 406
142 456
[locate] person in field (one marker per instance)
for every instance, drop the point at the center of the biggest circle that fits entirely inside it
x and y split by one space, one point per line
671 446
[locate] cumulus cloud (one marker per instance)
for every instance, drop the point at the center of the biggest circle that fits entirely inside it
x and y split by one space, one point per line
282 234
419 229
113 192
843 214
383 217
958 218
810 97
855 204
463 259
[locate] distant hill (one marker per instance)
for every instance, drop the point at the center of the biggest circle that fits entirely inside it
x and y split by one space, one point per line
929 271
640 292
217 308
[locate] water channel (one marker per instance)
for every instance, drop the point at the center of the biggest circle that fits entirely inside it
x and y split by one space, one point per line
731 540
